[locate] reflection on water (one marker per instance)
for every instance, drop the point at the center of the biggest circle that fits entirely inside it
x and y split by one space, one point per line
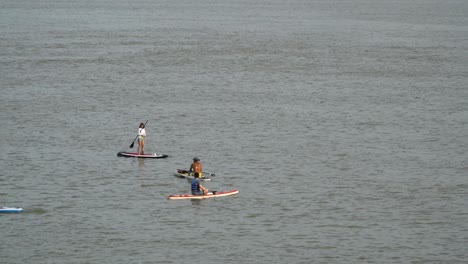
141 162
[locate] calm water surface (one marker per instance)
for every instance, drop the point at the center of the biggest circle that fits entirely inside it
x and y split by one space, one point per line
342 123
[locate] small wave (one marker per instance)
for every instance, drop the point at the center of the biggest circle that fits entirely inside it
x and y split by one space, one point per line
35 211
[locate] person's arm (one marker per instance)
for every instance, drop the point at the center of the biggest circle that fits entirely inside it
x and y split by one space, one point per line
205 190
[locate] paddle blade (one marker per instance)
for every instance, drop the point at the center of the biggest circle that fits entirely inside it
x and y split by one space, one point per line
133 143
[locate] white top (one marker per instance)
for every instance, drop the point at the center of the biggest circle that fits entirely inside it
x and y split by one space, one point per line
142 132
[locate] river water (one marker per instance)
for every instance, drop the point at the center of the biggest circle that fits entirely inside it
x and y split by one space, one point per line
342 123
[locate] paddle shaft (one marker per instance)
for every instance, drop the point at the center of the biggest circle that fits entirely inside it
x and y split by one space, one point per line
133 143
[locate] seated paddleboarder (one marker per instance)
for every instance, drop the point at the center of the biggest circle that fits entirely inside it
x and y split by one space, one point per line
196 167
141 138
197 188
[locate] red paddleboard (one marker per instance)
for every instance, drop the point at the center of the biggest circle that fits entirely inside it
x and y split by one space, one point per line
206 196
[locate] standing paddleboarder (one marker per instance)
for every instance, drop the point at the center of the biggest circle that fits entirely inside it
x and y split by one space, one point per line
141 139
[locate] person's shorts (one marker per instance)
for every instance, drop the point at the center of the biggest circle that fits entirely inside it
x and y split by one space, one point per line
197 193
141 139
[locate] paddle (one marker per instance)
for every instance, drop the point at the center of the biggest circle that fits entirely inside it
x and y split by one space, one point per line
133 143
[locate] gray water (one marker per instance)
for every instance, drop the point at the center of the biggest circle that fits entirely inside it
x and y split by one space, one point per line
342 123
